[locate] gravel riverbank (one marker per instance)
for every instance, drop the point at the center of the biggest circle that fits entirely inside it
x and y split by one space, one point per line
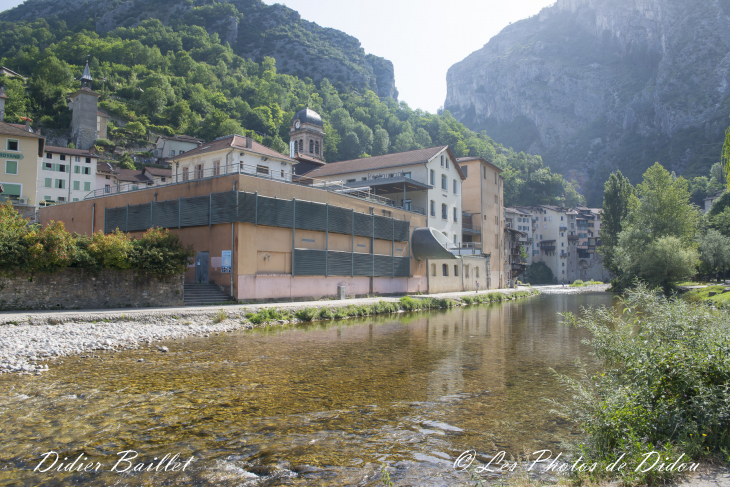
27 339
559 289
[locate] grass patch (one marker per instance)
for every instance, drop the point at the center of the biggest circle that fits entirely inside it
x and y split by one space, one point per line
219 316
703 296
580 283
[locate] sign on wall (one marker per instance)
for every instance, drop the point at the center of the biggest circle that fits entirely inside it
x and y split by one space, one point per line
11 155
226 262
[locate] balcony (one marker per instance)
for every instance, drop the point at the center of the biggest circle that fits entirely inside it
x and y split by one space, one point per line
466 248
563 228
470 229
547 248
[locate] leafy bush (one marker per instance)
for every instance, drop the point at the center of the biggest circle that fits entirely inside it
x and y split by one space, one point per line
220 316
306 314
539 273
664 386
160 253
577 283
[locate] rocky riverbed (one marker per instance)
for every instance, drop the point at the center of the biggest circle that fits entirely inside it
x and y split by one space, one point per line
559 289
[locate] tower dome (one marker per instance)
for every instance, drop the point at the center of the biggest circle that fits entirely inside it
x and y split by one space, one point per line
308 116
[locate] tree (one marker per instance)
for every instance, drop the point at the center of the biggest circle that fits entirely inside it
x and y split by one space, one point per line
725 158
721 222
616 193
539 273
667 261
351 145
136 129
715 252
381 142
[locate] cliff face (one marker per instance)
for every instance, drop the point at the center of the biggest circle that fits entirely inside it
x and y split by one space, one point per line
599 85
253 29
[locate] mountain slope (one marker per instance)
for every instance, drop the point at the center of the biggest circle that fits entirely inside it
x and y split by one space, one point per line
253 29
599 85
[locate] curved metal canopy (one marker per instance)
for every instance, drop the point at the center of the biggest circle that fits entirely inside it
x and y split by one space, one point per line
429 243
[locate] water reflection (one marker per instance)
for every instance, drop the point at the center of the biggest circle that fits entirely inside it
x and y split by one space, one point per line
324 404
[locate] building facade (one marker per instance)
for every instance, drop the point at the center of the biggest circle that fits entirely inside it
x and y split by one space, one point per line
20 153
66 174
176 145
482 200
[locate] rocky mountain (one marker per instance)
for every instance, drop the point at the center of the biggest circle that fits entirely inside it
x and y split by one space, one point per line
599 85
253 29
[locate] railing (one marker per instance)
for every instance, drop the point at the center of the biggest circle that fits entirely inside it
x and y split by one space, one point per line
563 228
547 248
466 248
471 227
255 171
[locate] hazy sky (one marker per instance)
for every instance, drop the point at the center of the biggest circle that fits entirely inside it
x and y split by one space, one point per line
422 38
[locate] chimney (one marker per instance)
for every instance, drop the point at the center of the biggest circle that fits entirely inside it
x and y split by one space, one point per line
249 142
3 97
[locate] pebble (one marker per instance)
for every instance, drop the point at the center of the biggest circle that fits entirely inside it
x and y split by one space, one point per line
163 349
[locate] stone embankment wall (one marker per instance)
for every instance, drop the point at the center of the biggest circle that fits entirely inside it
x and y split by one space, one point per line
79 289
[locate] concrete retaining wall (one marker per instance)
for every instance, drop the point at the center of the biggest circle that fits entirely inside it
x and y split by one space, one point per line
78 289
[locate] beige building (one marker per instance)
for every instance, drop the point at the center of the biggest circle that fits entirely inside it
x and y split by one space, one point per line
232 154
20 153
483 201
176 145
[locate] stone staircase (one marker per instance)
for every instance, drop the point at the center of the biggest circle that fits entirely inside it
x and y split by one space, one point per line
204 294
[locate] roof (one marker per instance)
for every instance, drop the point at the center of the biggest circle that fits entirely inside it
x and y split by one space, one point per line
182 138
308 116
300 156
409 158
15 130
132 175
87 74
236 142
10 72
104 167
516 210
102 114
71 152
469 159
158 171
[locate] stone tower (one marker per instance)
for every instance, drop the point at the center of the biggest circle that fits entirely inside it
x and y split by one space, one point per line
84 105
306 136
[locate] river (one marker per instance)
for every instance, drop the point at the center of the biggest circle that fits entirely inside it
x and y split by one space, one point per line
325 404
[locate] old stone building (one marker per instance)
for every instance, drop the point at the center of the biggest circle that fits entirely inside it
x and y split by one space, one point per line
306 140
86 120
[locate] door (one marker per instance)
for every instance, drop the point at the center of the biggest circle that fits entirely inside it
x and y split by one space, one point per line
201 267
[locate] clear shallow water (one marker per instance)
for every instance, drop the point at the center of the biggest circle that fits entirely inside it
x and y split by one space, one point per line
324 404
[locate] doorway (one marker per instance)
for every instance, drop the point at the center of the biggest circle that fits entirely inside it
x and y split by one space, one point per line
201 267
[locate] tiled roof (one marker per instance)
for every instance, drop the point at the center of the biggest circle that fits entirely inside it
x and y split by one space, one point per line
15 130
235 142
71 152
304 157
183 138
102 114
104 167
419 156
158 171
132 175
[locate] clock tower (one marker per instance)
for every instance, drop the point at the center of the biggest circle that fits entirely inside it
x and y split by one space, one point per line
306 140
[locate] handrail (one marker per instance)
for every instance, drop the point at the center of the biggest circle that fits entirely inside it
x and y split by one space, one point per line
249 170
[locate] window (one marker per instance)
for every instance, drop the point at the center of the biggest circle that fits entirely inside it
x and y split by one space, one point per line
311 146
407 174
86 170
496 240
316 147
216 168
162 180
433 270
447 163
60 184
77 169
282 174
11 167
433 208
88 160
445 270
107 189
61 198
77 185
496 201
48 183
62 157
185 174
172 152
75 199
47 198
301 145
495 178
456 239
262 169
466 271
199 171
61 167
444 212
349 181
442 161
550 218
77 159
49 155
12 145
13 191
107 177
456 187
181 152
561 218
87 186
456 270
364 178
48 166
433 177
456 214
444 183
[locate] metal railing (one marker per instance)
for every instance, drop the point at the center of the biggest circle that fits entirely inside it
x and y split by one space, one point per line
471 227
250 170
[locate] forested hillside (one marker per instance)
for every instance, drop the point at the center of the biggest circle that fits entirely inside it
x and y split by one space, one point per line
181 79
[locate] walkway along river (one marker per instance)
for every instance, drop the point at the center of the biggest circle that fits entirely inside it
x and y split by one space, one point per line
324 404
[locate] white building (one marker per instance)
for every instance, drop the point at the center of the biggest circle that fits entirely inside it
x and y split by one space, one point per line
176 145
427 181
66 174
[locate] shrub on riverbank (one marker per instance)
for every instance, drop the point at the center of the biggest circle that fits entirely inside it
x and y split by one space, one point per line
34 249
702 295
665 387
580 283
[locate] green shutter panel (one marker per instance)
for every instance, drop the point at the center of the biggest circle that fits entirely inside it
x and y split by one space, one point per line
87 186
77 169
49 183
76 185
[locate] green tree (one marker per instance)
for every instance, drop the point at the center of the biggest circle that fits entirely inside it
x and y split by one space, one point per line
381 142
721 222
539 273
715 252
136 129
351 145
725 158
616 193
667 261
